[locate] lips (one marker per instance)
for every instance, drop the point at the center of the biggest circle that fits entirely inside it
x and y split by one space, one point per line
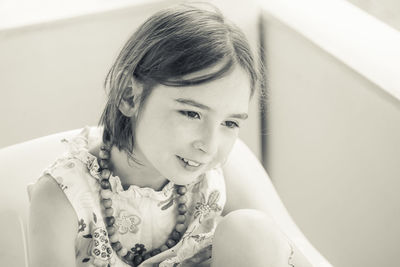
189 164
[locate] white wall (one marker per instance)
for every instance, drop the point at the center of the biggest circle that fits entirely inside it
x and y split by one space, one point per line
386 10
52 72
333 150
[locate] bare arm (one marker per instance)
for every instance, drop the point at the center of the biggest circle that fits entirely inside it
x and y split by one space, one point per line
52 226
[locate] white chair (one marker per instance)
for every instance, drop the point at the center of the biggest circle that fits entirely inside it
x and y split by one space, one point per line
22 163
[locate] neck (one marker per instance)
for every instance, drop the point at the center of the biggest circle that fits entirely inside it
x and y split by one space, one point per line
131 172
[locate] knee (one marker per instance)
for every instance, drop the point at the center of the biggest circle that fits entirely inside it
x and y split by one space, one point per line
245 221
252 231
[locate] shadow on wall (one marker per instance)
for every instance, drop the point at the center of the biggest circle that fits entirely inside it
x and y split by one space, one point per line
387 11
333 135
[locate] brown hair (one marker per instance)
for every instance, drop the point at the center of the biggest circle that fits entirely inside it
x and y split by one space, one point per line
172 43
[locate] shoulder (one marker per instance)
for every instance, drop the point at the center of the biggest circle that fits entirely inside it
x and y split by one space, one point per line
48 200
52 224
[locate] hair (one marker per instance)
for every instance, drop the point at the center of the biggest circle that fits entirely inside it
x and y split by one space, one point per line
172 43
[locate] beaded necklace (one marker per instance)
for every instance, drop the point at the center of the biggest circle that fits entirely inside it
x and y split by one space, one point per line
134 257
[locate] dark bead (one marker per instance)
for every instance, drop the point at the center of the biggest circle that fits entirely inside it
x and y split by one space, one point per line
146 256
110 220
175 235
182 208
137 260
182 199
182 190
106 147
104 154
155 252
110 230
129 256
163 248
170 243
110 211
105 184
116 246
104 164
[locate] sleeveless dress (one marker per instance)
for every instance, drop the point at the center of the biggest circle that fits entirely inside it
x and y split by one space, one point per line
144 217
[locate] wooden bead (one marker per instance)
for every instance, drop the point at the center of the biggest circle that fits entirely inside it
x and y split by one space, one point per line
129 256
170 243
110 221
105 174
109 212
113 238
116 246
155 252
105 184
104 164
111 230
181 218
106 145
182 190
146 256
99 263
137 260
104 154
106 193
182 208
122 252
182 199
180 227
175 235
107 203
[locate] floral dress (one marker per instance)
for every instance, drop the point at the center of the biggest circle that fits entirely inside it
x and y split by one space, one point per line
144 217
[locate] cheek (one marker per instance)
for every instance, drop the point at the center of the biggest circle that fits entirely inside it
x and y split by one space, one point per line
181 131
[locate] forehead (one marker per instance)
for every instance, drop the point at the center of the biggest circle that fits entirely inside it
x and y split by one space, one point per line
230 93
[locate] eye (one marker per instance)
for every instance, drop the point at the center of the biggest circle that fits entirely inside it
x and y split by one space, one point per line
231 124
190 114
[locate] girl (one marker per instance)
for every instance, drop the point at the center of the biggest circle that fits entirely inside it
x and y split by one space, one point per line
147 188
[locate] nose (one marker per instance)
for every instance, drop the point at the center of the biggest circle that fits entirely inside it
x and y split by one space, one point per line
207 141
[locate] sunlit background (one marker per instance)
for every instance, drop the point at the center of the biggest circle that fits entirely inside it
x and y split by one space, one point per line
329 134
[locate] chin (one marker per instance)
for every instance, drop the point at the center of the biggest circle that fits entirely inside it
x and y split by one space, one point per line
185 180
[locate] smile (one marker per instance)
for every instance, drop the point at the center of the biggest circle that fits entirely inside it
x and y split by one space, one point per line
189 162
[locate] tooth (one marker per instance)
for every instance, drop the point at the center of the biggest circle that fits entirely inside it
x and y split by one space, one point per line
193 163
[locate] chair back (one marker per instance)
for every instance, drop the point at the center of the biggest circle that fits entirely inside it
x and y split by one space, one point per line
20 165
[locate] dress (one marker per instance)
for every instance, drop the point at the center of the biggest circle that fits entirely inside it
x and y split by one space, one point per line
144 217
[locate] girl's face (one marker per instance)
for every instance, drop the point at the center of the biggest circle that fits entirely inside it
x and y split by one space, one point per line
183 132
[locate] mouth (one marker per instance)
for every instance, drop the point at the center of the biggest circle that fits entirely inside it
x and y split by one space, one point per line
190 163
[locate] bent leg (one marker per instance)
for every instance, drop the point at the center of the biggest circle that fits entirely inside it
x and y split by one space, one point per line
250 238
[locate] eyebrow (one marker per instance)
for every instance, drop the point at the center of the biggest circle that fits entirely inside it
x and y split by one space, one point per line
191 102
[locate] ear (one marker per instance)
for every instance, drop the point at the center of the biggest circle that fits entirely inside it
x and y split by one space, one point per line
130 99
